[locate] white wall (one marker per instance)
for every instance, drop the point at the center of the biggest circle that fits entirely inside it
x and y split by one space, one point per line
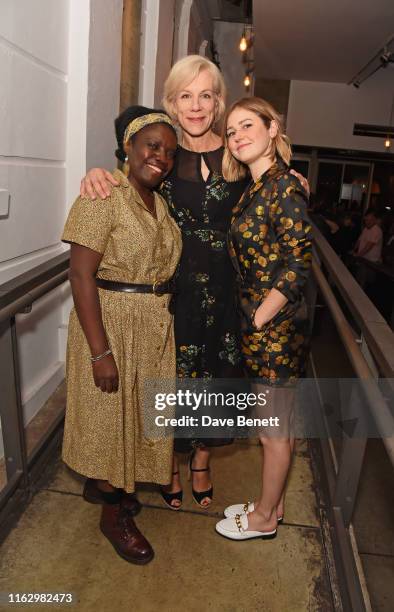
50 82
323 114
33 75
105 46
44 74
33 116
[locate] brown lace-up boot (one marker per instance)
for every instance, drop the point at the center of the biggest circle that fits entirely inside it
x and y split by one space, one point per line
119 528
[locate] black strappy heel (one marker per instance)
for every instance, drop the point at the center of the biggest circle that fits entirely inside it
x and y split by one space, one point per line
198 496
170 497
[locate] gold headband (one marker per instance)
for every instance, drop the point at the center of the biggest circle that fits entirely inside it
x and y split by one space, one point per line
140 122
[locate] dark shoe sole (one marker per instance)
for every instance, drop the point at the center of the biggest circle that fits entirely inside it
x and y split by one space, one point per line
134 561
271 536
125 557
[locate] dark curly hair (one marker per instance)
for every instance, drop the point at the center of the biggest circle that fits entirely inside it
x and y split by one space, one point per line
121 123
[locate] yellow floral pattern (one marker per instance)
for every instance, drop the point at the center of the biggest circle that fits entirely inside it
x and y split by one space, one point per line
270 246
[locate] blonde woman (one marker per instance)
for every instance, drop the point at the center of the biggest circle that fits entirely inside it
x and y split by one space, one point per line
271 251
200 200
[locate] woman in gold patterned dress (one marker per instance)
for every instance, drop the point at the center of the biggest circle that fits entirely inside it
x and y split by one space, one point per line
124 251
271 249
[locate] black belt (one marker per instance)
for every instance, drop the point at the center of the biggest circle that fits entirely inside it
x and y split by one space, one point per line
158 288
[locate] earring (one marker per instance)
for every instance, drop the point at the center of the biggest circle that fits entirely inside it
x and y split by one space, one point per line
125 167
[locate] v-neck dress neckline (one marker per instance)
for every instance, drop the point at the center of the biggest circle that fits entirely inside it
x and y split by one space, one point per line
191 164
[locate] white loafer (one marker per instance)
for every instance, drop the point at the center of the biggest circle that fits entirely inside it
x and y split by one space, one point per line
232 511
237 529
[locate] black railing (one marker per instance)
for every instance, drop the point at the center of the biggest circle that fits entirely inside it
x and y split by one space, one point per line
16 297
368 345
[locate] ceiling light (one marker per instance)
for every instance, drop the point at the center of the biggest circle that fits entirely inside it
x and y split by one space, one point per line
243 44
247 80
387 143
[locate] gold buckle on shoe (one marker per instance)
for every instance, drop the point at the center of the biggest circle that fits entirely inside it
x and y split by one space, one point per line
238 523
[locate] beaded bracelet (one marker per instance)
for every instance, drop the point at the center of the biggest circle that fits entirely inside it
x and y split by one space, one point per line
98 357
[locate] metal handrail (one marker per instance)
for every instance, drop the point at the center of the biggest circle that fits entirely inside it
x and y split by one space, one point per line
379 336
342 470
380 268
19 293
17 296
377 405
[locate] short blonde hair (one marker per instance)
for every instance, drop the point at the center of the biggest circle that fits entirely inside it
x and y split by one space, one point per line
234 170
184 72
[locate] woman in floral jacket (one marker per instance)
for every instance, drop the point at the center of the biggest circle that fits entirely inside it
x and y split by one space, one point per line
271 250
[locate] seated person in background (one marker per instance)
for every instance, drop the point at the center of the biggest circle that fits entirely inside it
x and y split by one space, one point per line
369 244
369 247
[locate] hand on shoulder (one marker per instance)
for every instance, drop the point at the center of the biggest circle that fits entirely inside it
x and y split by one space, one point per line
97 183
303 181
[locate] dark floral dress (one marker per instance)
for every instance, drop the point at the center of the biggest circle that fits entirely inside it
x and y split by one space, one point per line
206 323
270 245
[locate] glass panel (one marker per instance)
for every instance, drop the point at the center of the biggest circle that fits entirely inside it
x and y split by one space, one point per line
328 187
355 186
382 190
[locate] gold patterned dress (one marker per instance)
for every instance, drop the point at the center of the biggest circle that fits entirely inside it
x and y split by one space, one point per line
104 434
270 247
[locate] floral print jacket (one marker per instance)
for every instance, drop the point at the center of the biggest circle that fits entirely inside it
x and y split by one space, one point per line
270 242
